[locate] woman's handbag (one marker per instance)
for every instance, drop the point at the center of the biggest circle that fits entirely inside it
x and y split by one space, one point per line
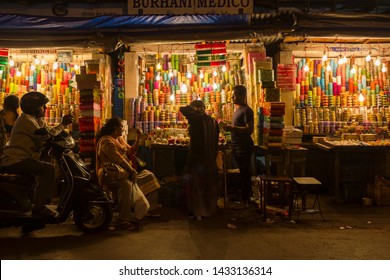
113 172
140 164
141 204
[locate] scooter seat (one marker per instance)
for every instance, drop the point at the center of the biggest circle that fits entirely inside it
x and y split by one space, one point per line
20 179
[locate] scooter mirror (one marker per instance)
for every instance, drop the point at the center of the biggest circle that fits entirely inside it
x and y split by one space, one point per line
41 131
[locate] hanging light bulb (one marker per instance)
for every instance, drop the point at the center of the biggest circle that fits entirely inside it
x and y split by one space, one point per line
368 57
170 74
55 64
32 67
18 73
215 86
189 75
306 68
224 68
172 97
324 57
201 75
215 73
11 61
36 60
76 66
353 70
158 66
377 61
341 60
328 68
43 61
384 68
361 97
183 88
158 78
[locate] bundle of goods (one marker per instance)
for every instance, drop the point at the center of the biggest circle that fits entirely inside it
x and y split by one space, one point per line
292 137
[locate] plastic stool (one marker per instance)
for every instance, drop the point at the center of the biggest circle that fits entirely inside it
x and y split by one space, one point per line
302 185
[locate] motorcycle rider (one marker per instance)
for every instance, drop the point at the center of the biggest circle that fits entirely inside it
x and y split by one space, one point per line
22 154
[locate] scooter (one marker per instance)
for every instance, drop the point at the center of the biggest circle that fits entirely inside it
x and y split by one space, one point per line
79 196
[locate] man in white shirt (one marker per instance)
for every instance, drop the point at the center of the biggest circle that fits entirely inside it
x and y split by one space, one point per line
22 155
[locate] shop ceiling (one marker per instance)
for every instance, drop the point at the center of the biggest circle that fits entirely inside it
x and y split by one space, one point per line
273 22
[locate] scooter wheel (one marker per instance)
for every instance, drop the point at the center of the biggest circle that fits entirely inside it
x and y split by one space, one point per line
94 217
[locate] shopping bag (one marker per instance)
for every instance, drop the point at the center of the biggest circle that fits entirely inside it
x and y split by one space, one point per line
141 204
113 172
140 164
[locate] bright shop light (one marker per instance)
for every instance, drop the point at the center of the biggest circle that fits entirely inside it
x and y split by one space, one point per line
306 68
11 62
361 97
183 88
368 57
324 57
224 68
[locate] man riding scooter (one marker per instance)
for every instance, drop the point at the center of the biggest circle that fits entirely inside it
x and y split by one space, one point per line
22 154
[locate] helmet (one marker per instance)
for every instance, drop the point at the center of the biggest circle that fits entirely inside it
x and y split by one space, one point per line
11 102
31 101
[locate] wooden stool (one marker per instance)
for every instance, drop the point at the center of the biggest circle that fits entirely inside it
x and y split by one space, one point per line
283 183
302 186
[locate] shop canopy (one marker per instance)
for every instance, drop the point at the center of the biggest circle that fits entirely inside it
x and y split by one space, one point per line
269 24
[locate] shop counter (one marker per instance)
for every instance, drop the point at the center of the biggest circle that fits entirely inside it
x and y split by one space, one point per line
171 159
354 166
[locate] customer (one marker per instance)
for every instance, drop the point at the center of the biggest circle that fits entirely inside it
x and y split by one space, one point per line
146 180
21 155
242 143
110 148
203 180
8 116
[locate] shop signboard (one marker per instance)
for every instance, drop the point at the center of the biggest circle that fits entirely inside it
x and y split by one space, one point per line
189 7
286 77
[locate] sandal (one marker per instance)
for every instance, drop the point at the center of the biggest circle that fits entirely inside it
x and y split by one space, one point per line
128 225
44 211
153 214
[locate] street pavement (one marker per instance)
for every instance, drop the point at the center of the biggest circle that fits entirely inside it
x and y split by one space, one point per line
351 232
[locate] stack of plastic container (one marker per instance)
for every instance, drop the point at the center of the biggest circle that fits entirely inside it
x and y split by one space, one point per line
89 121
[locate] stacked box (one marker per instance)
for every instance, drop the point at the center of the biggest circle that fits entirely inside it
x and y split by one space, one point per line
292 137
379 191
276 123
89 122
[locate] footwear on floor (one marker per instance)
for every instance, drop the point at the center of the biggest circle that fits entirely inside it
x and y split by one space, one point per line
153 214
125 225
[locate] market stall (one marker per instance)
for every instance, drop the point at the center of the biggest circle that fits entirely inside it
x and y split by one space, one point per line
75 80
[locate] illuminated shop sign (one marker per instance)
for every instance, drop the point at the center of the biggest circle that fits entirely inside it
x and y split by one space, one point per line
189 7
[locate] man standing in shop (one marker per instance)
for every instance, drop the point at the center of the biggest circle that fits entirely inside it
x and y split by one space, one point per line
242 143
202 167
